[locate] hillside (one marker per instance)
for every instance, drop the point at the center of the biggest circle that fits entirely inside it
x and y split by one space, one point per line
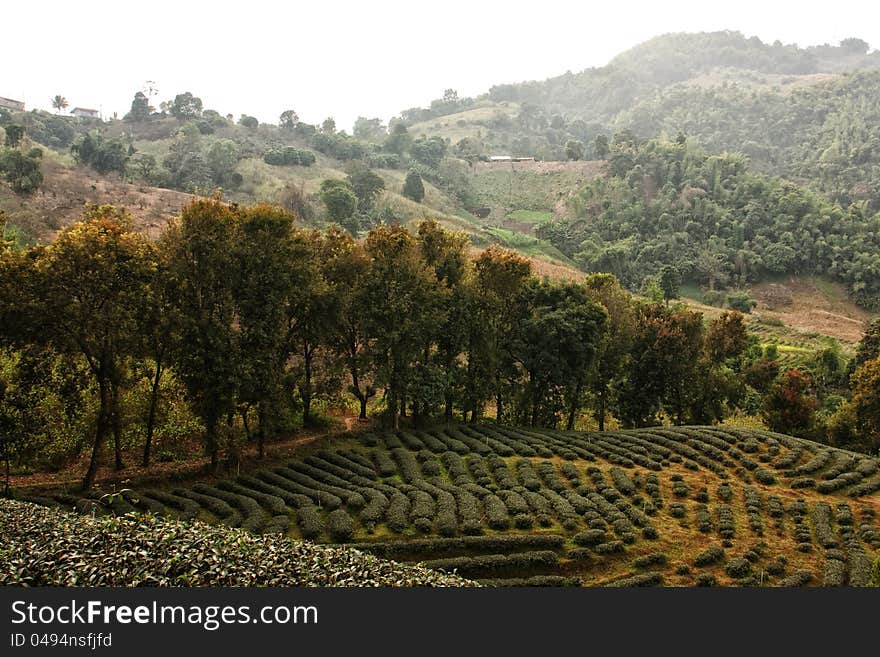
673 506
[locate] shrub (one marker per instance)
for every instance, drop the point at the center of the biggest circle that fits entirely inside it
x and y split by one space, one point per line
652 559
706 579
798 578
709 557
738 568
642 579
152 551
611 547
340 526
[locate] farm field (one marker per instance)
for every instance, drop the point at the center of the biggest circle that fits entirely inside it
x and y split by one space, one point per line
683 506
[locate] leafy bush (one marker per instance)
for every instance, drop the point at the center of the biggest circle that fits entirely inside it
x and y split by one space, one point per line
709 557
45 547
340 526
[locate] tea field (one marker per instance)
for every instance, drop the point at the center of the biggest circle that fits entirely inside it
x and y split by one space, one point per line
682 506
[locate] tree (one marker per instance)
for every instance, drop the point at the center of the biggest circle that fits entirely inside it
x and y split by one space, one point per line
59 102
328 127
14 135
413 188
670 282
186 106
288 119
574 150
347 270
616 343
369 129
365 184
866 403
499 276
398 140
140 108
86 292
790 405
429 151
273 269
869 346
727 337
659 377
248 121
222 158
198 245
22 171
600 145
339 199
402 308
555 341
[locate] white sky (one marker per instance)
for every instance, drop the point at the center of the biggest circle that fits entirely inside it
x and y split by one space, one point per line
345 59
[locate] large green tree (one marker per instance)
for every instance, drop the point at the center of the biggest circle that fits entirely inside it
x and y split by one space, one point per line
198 245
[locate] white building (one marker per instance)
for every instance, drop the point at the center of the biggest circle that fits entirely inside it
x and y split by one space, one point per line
84 113
8 103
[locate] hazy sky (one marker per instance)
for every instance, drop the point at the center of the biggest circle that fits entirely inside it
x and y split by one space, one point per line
345 59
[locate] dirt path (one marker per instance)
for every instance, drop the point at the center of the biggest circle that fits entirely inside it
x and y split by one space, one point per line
196 467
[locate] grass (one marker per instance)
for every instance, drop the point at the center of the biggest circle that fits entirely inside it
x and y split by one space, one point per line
531 216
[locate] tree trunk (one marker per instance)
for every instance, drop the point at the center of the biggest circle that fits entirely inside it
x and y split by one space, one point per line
7 490
498 408
306 389
447 412
116 425
151 416
356 389
211 443
602 412
100 434
572 411
261 429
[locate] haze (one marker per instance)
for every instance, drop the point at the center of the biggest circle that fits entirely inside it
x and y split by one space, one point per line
349 59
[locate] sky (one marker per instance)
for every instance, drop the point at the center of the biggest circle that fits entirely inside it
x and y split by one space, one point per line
372 58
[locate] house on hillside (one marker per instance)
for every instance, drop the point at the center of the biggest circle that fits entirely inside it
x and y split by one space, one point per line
508 158
84 113
8 103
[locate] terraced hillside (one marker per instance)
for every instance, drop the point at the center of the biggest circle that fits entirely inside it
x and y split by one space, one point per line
673 506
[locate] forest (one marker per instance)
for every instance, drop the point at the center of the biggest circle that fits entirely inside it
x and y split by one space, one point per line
237 325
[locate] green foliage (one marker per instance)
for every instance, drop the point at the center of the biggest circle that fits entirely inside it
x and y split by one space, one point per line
413 188
186 106
249 122
14 135
140 108
21 171
667 203
339 199
97 552
289 156
103 155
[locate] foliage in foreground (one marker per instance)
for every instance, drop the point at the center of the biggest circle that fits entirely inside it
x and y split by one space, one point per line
46 547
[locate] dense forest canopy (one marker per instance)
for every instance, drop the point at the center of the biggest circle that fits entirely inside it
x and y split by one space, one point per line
713 219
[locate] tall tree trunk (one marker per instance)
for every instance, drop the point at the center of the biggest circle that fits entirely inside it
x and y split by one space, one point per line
211 443
575 404
602 411
447 412
116 423
306 390
100 434
356 389
261 429
7 489
151 416
498 407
